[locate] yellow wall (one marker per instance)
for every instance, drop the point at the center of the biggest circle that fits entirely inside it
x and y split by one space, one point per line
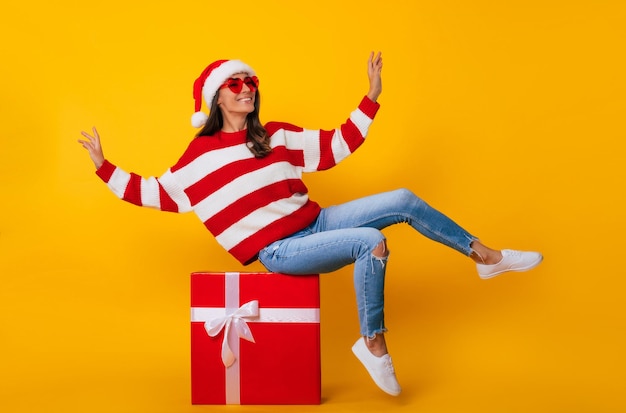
507 116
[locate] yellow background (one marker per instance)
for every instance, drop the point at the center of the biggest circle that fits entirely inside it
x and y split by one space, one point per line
507 116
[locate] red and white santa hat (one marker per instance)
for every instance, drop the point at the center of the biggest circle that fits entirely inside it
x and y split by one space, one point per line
209 83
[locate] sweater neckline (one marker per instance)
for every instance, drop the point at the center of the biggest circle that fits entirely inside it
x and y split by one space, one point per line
239 132
233 136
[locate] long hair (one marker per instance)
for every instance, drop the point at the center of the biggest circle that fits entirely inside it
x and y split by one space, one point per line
257 137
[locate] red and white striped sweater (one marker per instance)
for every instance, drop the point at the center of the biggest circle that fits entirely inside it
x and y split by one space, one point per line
245 202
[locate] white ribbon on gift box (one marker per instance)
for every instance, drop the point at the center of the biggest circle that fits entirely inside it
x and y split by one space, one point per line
237 321
234 320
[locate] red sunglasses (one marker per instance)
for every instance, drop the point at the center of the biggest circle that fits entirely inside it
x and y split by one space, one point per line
235 84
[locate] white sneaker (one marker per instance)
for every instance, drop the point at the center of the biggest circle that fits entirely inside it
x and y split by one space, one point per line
511 261
380 368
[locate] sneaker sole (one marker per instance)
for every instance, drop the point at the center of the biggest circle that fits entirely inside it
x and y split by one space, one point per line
529 267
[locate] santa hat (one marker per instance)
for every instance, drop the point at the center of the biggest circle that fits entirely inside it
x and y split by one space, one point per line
209 83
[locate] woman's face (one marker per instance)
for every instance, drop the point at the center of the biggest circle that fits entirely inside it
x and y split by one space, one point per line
231 100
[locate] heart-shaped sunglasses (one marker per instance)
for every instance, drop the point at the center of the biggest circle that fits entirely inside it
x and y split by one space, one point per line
235 84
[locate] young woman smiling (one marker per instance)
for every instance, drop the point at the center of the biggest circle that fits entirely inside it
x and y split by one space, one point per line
243 179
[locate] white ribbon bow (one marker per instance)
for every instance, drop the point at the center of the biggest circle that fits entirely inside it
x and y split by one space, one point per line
239 328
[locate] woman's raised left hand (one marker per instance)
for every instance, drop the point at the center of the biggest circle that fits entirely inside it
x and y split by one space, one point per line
374 69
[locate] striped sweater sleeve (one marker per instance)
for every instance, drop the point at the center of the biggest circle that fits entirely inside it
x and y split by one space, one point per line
323 149
161 193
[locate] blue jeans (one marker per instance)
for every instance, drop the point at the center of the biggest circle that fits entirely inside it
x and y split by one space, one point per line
349 233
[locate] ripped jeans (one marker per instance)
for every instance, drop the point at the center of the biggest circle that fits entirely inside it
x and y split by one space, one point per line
349 233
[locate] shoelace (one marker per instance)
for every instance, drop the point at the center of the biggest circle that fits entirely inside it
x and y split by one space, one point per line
512 253
389 366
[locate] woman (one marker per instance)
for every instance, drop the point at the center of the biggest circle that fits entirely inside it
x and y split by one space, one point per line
243 180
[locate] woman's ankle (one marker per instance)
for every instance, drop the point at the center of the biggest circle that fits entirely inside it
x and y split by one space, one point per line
376 345
482 254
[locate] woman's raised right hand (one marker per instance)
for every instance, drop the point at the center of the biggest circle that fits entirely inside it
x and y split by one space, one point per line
92 144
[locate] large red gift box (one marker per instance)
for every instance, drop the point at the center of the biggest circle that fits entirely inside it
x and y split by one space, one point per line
255 338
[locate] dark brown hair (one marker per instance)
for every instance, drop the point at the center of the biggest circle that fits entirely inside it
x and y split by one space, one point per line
258 138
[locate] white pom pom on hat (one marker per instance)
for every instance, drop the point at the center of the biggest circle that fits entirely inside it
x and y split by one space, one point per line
198 119
209 82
